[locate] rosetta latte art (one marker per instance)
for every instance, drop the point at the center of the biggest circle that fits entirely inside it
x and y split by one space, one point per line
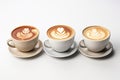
60 33
24 34
96 34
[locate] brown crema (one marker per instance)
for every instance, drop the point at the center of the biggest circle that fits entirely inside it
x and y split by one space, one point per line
24 33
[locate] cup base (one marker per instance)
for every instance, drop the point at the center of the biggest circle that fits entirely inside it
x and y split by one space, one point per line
28 54
84 51
50 52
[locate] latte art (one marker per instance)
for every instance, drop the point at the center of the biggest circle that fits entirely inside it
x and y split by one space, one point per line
96 33
60 33
24 33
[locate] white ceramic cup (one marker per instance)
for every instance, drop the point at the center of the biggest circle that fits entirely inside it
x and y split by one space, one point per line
61 45
95 45
23 45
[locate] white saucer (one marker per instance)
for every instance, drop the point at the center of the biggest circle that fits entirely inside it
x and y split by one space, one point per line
91 54
38 48
50 52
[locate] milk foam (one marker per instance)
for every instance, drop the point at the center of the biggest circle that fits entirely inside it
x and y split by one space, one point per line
60 33
95 34
24 34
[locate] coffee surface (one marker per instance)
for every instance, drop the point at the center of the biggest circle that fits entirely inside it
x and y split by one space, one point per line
96 33
60 32
24 33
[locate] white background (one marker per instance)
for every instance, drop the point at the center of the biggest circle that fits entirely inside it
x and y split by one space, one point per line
46 13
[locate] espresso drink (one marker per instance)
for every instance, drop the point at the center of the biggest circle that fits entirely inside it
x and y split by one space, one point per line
96 33
60 32
24 33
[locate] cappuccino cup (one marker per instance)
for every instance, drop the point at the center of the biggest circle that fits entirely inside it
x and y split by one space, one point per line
95 38
61 37
24 38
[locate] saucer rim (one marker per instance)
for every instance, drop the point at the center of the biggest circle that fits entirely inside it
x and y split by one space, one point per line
23 57
106 53
70 53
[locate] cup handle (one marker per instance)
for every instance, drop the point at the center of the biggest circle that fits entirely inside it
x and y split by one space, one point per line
82 44
109 45
10 43
47 44
38 45
73 45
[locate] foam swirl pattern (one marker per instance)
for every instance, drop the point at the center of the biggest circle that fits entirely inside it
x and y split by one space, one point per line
24 33
60 33
96 34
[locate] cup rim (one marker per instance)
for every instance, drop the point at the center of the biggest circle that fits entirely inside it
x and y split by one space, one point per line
72 36
96 26
27 39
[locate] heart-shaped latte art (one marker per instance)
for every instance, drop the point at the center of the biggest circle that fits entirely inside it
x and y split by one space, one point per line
60 33
60 30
